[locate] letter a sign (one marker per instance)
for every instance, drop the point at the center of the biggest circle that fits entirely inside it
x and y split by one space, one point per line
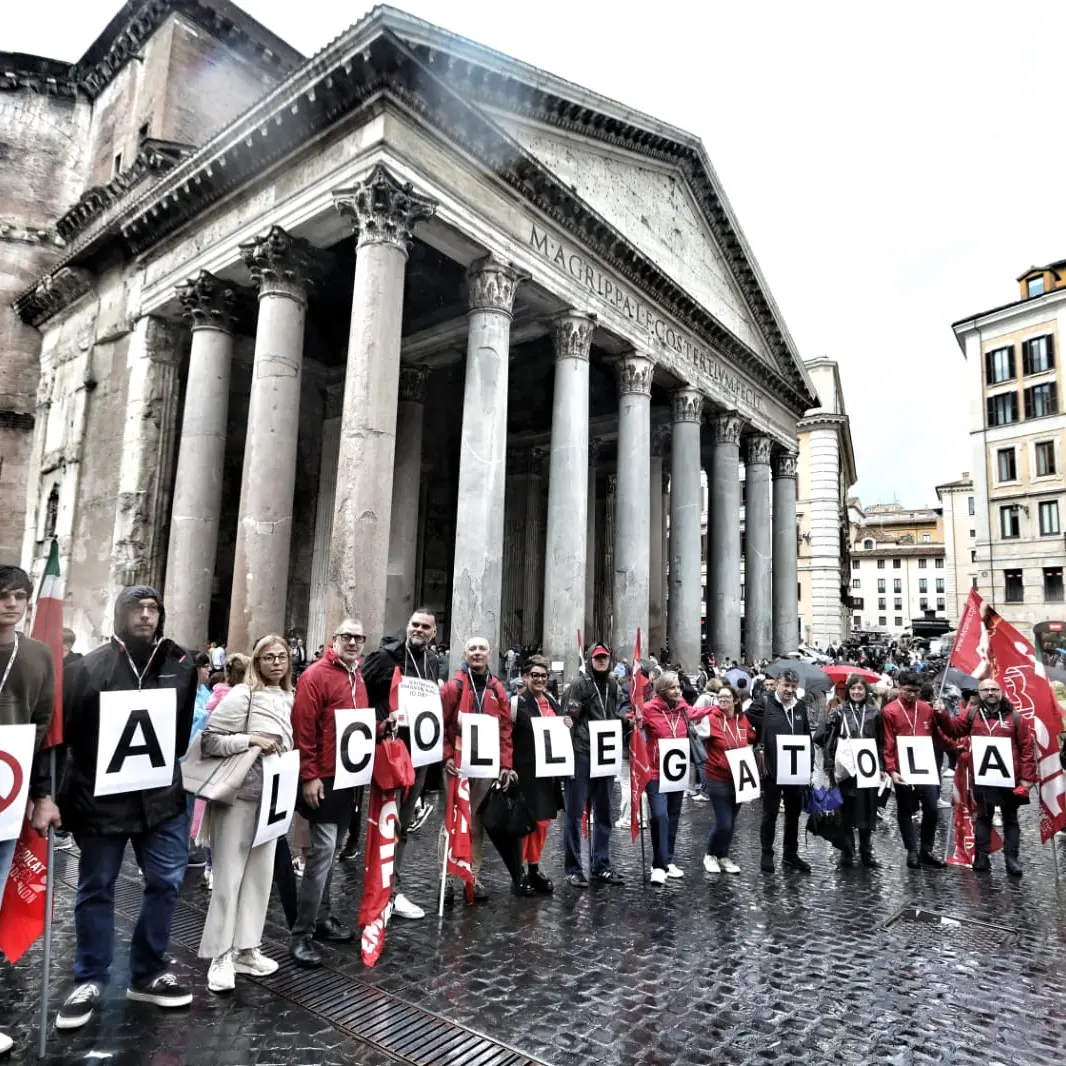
673 764
135 748
745 770
993 762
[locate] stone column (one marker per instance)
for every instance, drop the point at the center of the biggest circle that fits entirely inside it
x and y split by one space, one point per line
210 306
664 508
632 519
406 495
146 463
605 605
514 548
656 557
758 625
568 492
591 556
723 568
533 548
382 212
785 593
685 506
477 580
327 484
281 266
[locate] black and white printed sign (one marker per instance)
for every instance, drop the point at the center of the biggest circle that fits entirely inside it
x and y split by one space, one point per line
793 759
552 747
605 749
281 778
745 770
867 765
673 764
16 760
422 712
480 738
356 744
136 744
917 761
993 762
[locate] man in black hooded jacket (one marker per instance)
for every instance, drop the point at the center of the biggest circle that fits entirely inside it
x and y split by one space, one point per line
155 822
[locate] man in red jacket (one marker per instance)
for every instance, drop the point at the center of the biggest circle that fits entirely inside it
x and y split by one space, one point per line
330 683
909 716
474 690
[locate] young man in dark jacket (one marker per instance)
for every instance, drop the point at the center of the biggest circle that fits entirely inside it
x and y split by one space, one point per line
781 714
137 657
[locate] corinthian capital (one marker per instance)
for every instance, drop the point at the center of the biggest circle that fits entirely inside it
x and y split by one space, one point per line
758 451
382 209
493 285
572 334
688 405
281 265
413 384
634 375
209 303
783 464
726 428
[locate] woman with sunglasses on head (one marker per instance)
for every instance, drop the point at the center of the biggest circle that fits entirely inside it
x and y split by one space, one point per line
729 729
256 713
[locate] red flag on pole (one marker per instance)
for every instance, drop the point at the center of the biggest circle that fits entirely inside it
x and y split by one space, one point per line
639 762
965 810
457 827
48 628
382 833
986 645
23 907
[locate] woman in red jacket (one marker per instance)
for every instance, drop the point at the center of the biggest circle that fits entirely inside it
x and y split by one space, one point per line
730 729
666 716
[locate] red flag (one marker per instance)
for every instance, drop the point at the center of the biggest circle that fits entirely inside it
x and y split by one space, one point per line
22 908
639 763
964 813
394 691
986 645
457 827
48 628
381 835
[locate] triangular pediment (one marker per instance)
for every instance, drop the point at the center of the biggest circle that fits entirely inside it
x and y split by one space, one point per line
652 205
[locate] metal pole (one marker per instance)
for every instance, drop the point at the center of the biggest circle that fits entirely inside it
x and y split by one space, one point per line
447 847
50 884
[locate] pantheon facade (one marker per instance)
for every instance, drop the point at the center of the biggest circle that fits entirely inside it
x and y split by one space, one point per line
417 323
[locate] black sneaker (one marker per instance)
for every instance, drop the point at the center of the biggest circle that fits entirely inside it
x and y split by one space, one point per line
333 930
981 863
1014 867
197 858
927 858
577 881
350 849
767 862
163 991
481 894
420 818
913 862
796 863
607 877
79 1005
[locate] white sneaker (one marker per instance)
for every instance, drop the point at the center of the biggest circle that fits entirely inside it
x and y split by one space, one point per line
711 865
6 1043
699 797
728 866
221 976
622 823
948 772
943 804
402 907
209 879
658 877
253 963
674 871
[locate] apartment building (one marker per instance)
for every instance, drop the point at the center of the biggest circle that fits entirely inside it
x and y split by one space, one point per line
958 511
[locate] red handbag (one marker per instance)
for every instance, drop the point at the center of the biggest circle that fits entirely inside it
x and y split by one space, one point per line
392 765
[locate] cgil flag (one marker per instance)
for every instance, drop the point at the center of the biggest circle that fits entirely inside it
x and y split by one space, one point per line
639 761
987 645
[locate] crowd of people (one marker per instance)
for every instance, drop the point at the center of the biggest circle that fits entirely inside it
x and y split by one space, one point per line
239 706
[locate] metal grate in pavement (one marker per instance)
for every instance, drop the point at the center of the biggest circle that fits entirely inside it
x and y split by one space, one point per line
967 933
392 1025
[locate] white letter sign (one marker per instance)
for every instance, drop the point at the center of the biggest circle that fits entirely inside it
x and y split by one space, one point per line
993 762
745 770
673 764
421 712
135 745
867 765
16 759
605 749
356 744
917 761
793 759
480 735
281 776
552 747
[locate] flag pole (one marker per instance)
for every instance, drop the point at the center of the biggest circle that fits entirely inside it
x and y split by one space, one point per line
50 885
447 848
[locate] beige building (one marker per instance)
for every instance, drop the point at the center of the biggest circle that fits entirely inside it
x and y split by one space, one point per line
958 511
1013 364
898 570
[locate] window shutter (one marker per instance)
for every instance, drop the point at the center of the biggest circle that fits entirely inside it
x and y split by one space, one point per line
1028 403
990 411
1050 341
989 377
1027 358
1010 363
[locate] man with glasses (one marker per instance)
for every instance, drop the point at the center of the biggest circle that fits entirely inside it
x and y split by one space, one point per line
332 683
409 656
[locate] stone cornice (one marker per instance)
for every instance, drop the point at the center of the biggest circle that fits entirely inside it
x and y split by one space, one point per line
51 294
821 418
48 77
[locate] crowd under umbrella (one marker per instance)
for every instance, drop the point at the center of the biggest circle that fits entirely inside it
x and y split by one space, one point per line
734 675
954 676
840 672
811 678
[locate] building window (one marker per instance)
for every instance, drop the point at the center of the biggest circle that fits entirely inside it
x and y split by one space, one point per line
855 564
1009 525
939 564
940 584
1038 355
927 538
973 557
799 591
970 505
867 544
922 564
973 582
856 584
999 365
899 621
897 584
881 604
940 603
923 584
897 604
1049 518
1041 400
1006 465
882 620
1034 287
923 603
973 532
856 622
880 584
897 563
880 564
1045 458
1013 589
1053 584
51 513
1002 409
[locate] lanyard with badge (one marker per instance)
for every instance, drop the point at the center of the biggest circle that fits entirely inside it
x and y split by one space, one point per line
10 663
140 675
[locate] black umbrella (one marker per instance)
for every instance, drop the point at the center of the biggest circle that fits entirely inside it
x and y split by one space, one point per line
954 676
811 679
505 819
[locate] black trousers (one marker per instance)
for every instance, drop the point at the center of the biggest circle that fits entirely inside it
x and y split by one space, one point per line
908 799
988 799
771 800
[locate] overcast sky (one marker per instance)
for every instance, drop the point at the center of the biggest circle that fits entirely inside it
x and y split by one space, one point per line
894 166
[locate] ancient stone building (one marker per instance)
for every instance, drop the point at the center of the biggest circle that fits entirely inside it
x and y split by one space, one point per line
407 322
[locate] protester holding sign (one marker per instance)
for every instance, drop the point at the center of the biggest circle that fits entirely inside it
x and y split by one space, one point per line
543 795
104 805
857 718
730 730
394 660
253 715
906 717
780 718
1004 769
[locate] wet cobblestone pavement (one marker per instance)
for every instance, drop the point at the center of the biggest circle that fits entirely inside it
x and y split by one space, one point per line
756 968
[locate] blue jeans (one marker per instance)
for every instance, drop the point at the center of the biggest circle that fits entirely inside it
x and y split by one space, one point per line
665 816
724 802
579 790
7 856
162 854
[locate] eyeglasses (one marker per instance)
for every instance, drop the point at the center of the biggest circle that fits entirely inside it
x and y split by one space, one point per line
427 626
274 657
349 638
538 677
986 691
